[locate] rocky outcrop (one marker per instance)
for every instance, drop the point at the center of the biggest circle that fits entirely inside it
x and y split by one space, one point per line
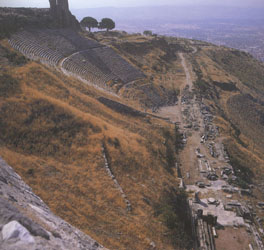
15 19
14 230
27 223
109 172
58 16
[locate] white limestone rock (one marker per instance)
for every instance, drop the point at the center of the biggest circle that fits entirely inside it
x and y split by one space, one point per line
14 230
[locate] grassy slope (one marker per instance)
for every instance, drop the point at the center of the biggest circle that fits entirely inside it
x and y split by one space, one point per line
52 128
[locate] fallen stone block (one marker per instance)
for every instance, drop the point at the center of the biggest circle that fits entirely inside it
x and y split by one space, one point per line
10 213
14 230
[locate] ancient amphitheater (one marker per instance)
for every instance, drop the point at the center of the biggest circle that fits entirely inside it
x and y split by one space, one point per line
75 55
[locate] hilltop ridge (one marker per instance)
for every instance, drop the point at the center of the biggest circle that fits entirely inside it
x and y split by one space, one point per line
17 19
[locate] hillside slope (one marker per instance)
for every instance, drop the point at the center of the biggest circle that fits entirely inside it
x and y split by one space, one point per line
22 210
229 80
52 131
105 162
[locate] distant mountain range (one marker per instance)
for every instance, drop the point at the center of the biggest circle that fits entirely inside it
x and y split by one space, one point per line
240 28
170 13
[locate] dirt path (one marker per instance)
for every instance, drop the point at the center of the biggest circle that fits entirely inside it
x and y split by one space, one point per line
187 72
200 157
174 113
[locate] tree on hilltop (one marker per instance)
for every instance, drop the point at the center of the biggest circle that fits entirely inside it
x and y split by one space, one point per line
89 22
107 23
147 33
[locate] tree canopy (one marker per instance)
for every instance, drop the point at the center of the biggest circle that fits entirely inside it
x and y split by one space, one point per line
147 33
89 22
107 23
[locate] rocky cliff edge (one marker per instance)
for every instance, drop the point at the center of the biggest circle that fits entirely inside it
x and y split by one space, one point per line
27 223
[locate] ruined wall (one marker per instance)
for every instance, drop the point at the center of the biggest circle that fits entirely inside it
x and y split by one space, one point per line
64 5
52 4
59 9
59 5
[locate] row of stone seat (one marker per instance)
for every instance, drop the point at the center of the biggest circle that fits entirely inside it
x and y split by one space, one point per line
35 51
86 72
54 42
62 40
91 56
43 42
98 64
119 66
103 64
75 39
81 65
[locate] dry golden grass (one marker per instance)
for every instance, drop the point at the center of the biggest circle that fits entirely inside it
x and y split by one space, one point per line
54 127
53 133
211 70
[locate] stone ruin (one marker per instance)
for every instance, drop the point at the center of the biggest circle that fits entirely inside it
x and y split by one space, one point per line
59 4
60 11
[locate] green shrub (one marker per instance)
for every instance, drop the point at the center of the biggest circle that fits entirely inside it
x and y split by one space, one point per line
31 172
242 171
173 209
16 59
43 129
115 142
8 85
170 152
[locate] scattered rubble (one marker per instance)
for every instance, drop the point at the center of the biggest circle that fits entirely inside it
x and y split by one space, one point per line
212 176
213 201
203 228
214 208
128 204
200 184
261 204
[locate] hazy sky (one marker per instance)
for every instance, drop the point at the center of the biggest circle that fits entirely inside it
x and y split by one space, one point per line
127 3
